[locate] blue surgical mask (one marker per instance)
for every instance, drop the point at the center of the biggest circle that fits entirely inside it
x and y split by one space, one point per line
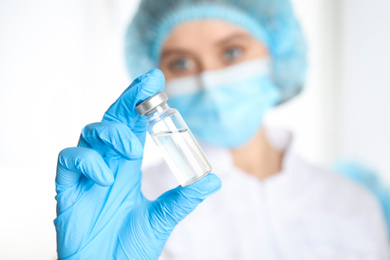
225 107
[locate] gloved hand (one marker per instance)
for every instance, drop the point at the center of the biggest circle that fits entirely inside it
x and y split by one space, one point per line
101 212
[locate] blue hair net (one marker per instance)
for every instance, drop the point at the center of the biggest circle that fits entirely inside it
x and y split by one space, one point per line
271 22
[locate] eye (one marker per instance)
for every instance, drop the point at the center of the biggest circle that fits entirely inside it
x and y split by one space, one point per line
182 65
232 54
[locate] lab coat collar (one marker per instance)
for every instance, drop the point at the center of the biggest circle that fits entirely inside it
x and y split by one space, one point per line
221 158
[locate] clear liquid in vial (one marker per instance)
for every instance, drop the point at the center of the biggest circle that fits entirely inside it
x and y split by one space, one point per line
183 155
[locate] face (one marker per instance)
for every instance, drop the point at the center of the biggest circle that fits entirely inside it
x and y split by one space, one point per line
197 46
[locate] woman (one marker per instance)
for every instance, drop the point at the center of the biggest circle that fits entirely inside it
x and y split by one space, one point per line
226 63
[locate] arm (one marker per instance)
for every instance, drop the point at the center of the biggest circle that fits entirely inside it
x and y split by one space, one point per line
101 211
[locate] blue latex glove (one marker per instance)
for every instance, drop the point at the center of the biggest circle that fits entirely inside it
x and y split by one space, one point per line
101 212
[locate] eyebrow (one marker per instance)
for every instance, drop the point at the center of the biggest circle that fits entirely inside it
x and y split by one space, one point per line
173 51
223 41
238 35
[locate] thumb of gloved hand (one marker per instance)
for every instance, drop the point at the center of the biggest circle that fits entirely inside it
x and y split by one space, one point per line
162 215
174 205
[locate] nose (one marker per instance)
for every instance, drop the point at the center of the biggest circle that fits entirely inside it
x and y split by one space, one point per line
209 63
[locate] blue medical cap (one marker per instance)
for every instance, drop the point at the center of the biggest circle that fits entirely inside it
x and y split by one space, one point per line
270 21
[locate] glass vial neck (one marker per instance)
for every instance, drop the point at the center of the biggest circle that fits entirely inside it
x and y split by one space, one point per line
157 110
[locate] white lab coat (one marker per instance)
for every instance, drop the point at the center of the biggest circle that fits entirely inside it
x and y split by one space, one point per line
303 212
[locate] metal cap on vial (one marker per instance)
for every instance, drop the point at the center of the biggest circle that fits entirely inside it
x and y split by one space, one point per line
148 106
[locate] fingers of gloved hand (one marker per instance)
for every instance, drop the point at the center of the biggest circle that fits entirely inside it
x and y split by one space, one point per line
77 161
110 139
145 86
174 205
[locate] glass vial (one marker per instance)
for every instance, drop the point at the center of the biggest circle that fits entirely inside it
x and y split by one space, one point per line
173 137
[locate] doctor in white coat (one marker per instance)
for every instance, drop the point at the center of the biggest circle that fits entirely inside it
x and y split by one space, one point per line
226 63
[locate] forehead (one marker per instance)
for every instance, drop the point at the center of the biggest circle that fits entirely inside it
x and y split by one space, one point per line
201 33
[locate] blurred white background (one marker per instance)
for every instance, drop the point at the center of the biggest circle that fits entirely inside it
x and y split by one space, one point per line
62 65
